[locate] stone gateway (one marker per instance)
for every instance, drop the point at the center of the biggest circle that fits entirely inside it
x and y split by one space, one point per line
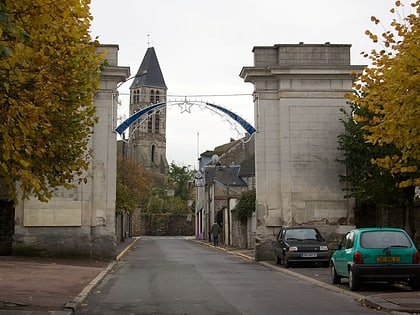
298 92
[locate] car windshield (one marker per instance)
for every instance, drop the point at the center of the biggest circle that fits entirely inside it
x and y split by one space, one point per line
302 234
384 239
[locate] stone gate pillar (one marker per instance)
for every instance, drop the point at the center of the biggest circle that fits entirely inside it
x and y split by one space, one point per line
298 91
80 221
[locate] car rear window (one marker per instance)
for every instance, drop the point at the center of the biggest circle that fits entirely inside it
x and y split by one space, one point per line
382 239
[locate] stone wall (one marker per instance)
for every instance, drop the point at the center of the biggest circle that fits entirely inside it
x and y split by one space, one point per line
62 242
299 90
163 225
368 215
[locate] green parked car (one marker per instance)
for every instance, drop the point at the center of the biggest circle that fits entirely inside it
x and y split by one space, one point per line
376 254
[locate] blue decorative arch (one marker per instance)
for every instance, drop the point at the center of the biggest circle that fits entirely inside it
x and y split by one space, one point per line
246 125
126 123
137 115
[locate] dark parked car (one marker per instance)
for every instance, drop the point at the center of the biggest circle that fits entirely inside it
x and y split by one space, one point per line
376 254
301 245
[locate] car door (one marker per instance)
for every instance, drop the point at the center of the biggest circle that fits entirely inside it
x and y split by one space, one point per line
341 256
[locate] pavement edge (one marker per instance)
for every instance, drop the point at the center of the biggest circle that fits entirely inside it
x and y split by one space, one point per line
73 305
371 302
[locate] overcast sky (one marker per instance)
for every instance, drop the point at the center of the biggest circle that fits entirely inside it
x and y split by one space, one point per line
203 45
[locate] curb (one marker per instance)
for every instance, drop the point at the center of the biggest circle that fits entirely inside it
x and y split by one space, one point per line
372 302
125 250
330 287
381 304
321 284
73 305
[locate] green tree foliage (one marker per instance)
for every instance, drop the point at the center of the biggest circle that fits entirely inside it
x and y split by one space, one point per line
49 73
364 180
159 203
173 198
245 206
180 180
389 90
134 185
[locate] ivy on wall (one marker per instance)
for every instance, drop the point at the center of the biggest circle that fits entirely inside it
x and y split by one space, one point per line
245 206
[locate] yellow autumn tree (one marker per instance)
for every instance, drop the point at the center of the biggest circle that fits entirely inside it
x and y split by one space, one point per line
389 90
49 72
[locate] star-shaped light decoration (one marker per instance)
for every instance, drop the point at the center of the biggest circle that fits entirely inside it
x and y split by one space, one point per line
185 107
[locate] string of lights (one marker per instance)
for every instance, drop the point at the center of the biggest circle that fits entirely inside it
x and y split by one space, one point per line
197 95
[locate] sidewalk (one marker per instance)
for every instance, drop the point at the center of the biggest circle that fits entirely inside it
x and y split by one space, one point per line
41 286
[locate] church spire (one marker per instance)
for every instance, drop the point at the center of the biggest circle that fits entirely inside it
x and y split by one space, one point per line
148 139
149 73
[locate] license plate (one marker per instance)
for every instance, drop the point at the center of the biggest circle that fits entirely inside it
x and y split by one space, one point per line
384 259
309 254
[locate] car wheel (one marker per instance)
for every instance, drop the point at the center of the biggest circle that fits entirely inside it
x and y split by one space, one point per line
335 278
414 284
354 282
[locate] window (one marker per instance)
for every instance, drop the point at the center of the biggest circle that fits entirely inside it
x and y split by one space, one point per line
157 97
350 240
292 235
153 153
150 123
136 97
157 121
382 239
152 97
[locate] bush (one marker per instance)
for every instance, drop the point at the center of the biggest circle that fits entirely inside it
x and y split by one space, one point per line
245 206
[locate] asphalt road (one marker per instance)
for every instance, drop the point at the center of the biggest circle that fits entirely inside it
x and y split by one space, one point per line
177 276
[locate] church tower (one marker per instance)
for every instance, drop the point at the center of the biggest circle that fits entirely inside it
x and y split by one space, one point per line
148 135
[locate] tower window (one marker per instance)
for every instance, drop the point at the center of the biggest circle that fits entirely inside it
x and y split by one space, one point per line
152 96
150 123
157 96
136 97
153 154
157 122
132 97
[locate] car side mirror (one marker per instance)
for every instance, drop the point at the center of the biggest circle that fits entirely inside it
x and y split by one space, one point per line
336 247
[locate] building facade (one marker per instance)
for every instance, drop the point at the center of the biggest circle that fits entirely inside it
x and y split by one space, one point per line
225 173
298 92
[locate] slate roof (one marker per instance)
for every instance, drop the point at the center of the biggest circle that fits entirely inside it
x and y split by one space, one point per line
225 175
149 73
207 153
226 147
221 149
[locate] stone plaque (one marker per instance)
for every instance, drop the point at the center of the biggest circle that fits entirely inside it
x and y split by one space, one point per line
52 217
